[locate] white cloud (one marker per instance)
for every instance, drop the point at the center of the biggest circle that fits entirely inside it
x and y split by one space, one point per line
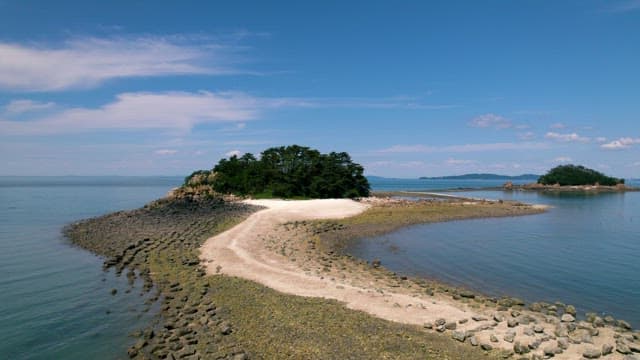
622 143
490 120
558 126
165 152
573 137
139 111
25 105
562 159
601 139
88 62
464 148
233 153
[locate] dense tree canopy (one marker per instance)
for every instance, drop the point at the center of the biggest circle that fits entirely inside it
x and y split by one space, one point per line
577 175
291 171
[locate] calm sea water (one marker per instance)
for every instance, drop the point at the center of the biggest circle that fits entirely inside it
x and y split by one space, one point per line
56 301
584 251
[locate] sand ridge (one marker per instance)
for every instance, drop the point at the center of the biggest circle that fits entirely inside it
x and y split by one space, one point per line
242 251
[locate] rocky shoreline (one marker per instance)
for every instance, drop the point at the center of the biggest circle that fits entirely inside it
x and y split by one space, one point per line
221 317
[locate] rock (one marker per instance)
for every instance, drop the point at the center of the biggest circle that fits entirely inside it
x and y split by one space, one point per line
512 323
567 318
609 320
225 328
473 341
376 263
459 335
467 294
631 357
534 344
598 322
515 313
607 349
463 321
536 357
441 321
493 338
571 310
498 318
591 353
563 343
520 349
624 325
450 325
240 356
586 338
623 348
479 318
528 331
509 336
552 351
486 347
428 325
536 307
634 347
114 291
538 329
561 331
440 328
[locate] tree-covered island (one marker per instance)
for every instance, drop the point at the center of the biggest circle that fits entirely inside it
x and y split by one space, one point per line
577 175
287 171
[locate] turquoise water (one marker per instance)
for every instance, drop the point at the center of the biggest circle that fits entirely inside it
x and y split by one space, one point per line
584 251
56 301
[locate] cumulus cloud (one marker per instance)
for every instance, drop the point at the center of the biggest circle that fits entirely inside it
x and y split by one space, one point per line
141 111
24 105
601 139
572 137
88 62
562 159
622 143
490 120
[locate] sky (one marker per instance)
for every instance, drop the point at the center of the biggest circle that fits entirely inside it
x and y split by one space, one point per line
408 88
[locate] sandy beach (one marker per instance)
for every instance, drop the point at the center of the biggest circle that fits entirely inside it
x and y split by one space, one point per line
265 249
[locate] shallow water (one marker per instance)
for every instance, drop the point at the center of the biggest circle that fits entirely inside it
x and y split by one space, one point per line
56 301
584 251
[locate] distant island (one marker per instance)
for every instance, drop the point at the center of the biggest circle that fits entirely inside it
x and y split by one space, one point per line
575 175
483 176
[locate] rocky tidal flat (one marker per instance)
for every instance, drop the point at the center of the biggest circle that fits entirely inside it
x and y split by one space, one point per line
223 317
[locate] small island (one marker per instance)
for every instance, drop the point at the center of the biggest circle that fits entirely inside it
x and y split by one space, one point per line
290 172
573 178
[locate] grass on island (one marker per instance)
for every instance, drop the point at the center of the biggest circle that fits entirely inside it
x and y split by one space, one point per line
221 317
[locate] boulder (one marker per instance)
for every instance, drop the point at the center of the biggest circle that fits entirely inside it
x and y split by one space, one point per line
493 338
473 341
509 336
607 349
567 318
519 348
485 346
450 325
591 353
459 335
512 323
571 310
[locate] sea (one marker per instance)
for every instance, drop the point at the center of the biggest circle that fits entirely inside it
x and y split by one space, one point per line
56 300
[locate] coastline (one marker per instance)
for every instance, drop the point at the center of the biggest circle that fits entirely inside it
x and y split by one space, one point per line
466 316
252 339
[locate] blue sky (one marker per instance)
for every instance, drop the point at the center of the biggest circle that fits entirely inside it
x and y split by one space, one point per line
408 88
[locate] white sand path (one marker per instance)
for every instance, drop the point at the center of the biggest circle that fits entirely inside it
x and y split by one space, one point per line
242 252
